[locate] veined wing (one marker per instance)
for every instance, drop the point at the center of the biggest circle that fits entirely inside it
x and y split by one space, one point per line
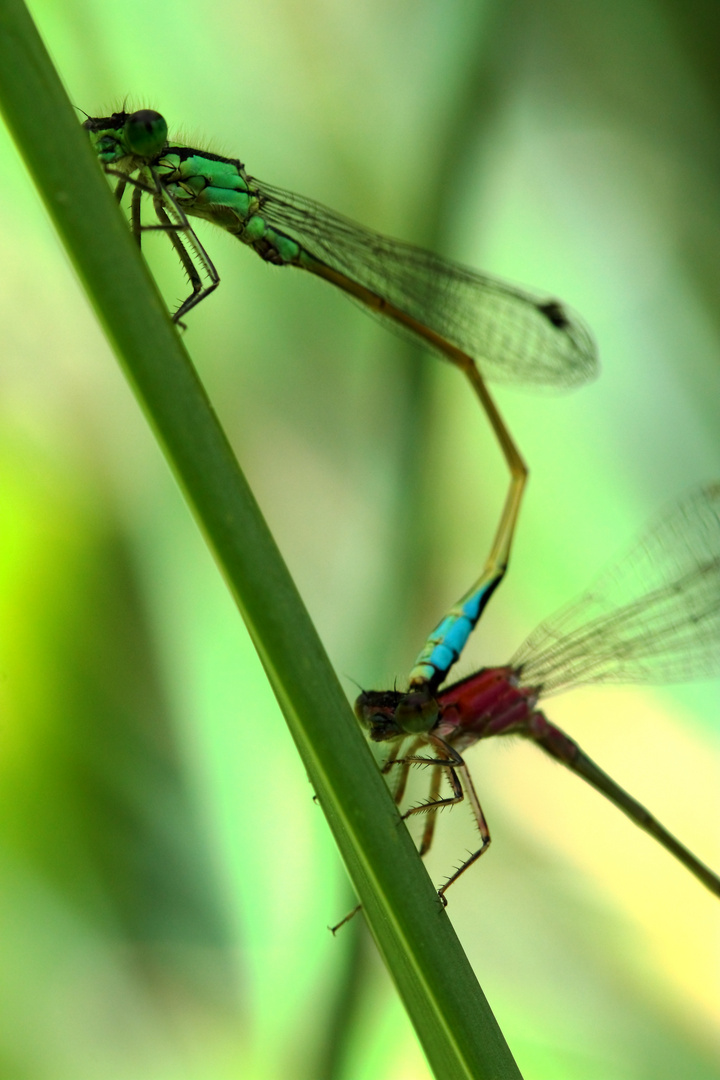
513 334
653 616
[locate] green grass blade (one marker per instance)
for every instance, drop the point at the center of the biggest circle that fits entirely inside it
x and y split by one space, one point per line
451 1016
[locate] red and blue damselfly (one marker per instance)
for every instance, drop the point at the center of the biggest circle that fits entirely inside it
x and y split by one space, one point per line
652 616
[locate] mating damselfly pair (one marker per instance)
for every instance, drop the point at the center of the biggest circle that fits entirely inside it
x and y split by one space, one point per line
653 616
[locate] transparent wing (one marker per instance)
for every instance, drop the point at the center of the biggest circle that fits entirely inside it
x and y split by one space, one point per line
514 335
653 616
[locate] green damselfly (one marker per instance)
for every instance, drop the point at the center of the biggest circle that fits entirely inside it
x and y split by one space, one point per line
486 327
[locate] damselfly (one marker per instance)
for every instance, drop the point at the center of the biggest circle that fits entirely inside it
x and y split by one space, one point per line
484 326
653 616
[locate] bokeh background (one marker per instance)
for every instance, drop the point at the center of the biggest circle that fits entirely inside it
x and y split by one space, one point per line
166 877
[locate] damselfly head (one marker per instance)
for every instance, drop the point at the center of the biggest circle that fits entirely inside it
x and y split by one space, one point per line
388 714
141 134
375 709
146 133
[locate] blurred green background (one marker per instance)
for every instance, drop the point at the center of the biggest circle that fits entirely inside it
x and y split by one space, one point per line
166 877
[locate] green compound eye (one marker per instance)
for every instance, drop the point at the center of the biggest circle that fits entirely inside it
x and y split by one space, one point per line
145 133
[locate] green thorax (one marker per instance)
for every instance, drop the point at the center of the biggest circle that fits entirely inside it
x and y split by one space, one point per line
220 190
201 184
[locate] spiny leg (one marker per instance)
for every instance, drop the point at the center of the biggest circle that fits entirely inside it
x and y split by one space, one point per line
433 796
450 763
482 829
350 915
392 760
188 265
405 764
449 760
433 803
161 195
119 189
454 765
136 214
191 236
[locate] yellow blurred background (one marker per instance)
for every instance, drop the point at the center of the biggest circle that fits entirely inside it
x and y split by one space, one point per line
166 878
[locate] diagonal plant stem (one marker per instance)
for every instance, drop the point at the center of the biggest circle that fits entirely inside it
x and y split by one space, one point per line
452 1018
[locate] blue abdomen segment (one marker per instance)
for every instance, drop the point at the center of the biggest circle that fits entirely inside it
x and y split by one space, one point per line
447 641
